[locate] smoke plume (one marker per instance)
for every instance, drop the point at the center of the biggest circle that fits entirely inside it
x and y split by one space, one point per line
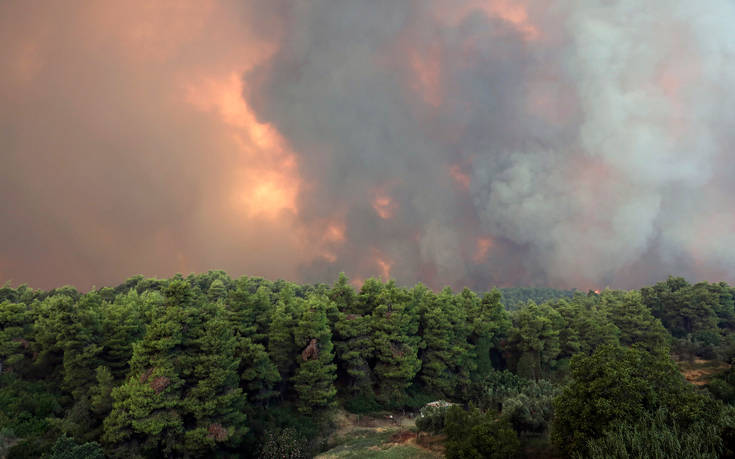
467 142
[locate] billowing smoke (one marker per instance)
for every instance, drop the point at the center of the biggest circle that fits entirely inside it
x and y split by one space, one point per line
455 142
587 140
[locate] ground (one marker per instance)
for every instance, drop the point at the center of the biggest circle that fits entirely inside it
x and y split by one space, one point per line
379 436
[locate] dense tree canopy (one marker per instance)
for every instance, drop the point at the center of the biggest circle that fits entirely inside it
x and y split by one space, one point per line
208 366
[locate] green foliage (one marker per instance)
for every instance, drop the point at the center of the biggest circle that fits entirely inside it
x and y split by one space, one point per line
210 366
685 308
656 436
634 320
395 324
362 404
515 297
315 375
471 434
16 335
535 339
431 417
284 444
588 326
497 386
446 360
25 406
490 324
617 385
66 448
183 393
531 409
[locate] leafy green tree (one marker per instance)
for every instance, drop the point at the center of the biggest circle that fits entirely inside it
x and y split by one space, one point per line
369 296
249 312
282 347
535 339
588 326
354 349
682 308
618 384
16 337
217 290
395 324
490 324
446 359
251 306
516 297
66 448
121 324
258 373
26 406
182 396
343 295
634 320
316 372
472 434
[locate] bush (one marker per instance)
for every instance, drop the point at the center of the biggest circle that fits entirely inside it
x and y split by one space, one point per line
532 409
66 448
498 386
284 444
362 404
473 434
431 418
656 436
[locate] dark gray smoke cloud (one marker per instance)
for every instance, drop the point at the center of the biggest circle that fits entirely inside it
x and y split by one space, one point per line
595 135
565 143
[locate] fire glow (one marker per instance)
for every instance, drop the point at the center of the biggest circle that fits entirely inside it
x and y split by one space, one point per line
461 178
484 244
384 265
265 185
384 205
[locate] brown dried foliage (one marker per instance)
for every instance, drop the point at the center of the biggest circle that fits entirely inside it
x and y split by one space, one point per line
159 384
145 375
311 352
218 432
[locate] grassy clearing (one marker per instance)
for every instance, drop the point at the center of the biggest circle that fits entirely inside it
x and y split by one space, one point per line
375 444
375 437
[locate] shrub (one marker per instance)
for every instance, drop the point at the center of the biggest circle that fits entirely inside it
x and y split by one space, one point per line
284 444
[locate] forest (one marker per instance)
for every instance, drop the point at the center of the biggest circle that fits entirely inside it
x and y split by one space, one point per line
210 366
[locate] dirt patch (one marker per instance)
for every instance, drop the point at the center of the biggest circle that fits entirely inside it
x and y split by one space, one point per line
397 427
699 372
402 437
431 443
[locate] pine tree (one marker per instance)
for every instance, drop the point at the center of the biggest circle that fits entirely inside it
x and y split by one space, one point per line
343 295
281 346
316 372
182 395
535 338
354 346
490 324
247 313
446 361
634 320
395 324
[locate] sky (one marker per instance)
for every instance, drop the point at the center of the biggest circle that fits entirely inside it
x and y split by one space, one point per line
564 143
